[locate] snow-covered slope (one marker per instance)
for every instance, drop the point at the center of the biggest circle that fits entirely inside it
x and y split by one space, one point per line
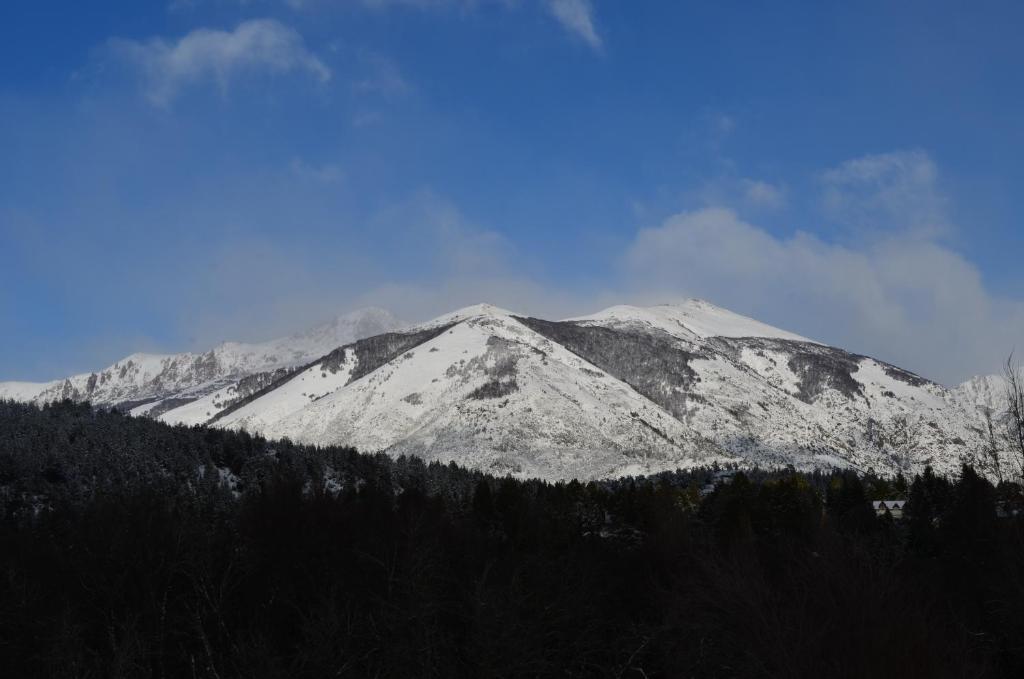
152 383
694 318
487 392
628 390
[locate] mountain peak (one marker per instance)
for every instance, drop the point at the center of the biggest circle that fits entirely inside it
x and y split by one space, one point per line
691 303
690 318
709 320
482 309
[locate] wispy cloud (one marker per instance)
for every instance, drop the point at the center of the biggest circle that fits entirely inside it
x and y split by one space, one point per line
420 4
444 261
902 298
762 194
898 296
203 55
577 17
382 77
887 191
328 173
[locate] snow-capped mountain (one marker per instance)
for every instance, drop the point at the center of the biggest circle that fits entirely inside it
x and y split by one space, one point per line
627 390
156 382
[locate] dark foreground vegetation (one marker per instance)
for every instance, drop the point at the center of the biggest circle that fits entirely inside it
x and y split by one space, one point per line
133 549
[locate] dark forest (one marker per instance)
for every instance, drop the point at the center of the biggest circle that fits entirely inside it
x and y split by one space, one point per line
129 548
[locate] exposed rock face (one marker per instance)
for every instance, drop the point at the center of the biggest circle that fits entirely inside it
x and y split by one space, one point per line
655 364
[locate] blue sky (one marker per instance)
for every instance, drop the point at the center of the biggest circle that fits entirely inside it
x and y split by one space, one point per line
178 173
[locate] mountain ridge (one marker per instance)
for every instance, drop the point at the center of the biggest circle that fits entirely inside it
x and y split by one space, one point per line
628 390
146 377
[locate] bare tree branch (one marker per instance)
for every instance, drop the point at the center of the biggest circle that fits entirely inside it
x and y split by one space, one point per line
1015 410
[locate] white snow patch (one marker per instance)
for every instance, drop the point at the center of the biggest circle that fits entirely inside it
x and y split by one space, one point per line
24 391
689 319
298 392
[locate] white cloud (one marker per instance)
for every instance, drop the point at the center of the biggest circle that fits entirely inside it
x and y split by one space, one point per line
900 296
328 173
213 55
366 118
727 189
382 77
427 259
464 5
887 191
762 194
440 238
577 17
722 124
420 4
904 299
